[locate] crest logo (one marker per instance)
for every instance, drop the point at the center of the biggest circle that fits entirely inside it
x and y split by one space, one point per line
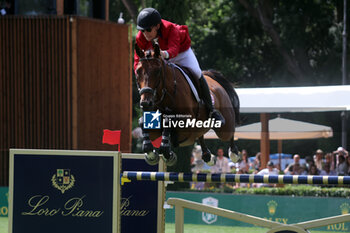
206 217
272 205
63 180
345 208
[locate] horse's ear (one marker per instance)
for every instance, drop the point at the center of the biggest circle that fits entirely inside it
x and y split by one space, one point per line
139 52
156 49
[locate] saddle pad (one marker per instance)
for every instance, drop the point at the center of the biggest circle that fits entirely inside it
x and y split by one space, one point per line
194 91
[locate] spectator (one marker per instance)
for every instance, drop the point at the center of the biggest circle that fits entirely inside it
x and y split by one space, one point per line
257 162
309 162
198 165
313 171
319 159
342 168
243 166
329 158
302 170
327 170
197 161
221 165
348 163
342 151
241 185
294 168
270 170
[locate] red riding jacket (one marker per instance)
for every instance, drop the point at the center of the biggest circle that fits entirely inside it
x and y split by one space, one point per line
172 37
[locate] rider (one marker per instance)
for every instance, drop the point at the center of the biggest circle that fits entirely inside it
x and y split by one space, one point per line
175 44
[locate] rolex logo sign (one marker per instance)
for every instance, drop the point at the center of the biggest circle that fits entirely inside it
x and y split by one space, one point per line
272 205
63 180
345 208
206 217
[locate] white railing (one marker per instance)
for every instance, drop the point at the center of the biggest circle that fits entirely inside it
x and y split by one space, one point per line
181 204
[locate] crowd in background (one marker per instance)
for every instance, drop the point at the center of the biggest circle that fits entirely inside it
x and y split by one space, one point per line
336 163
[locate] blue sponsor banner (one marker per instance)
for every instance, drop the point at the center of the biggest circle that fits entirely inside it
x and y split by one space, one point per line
139 200
67 192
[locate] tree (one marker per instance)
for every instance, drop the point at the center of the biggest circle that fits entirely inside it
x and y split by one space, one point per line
176 11
269 42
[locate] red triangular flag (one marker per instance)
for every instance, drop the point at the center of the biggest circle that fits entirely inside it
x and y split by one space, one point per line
111 137
156 142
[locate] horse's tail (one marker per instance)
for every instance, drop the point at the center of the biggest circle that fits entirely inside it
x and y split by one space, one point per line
218 77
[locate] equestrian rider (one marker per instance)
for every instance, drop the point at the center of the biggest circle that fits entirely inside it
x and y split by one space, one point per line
175 44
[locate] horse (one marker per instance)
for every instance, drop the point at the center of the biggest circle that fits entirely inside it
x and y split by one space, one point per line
163 88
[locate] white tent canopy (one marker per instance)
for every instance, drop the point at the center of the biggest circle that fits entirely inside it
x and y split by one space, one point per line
280 129
284 129
294 99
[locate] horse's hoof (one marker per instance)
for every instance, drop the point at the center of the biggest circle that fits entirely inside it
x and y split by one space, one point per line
212 160
171 159
152 158
147 147
206 156
164 150
234 157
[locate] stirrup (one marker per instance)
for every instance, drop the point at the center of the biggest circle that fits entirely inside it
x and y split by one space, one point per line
217 116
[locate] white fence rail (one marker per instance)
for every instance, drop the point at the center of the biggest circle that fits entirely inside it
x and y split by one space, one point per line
181 204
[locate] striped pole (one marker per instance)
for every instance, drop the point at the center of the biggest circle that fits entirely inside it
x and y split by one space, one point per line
238 178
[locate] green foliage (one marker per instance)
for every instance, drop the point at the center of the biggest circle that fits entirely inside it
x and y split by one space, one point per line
174 11
286 190
227 38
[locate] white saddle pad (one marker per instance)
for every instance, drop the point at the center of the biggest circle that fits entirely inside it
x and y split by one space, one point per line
194 91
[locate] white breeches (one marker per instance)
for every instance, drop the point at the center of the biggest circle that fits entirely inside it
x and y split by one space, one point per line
188 60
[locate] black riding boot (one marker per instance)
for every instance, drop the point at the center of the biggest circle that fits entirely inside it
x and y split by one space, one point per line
205 96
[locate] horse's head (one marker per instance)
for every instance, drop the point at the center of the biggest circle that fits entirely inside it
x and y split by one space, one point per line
148 75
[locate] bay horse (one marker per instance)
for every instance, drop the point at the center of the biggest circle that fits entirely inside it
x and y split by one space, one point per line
163 88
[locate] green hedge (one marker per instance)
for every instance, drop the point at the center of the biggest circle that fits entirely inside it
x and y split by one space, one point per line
293 190
286 190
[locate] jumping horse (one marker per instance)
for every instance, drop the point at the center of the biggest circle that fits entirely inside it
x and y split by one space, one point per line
163 87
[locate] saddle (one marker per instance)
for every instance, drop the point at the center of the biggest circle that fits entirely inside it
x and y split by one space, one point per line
191 79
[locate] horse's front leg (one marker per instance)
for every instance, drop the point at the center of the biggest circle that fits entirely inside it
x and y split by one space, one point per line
151 156
169 156
207 156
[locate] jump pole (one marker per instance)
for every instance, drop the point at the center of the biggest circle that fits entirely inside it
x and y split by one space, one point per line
238 178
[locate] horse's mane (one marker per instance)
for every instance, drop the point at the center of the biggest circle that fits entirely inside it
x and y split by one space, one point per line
217 76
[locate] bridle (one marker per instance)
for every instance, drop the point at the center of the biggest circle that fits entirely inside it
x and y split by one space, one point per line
161 81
